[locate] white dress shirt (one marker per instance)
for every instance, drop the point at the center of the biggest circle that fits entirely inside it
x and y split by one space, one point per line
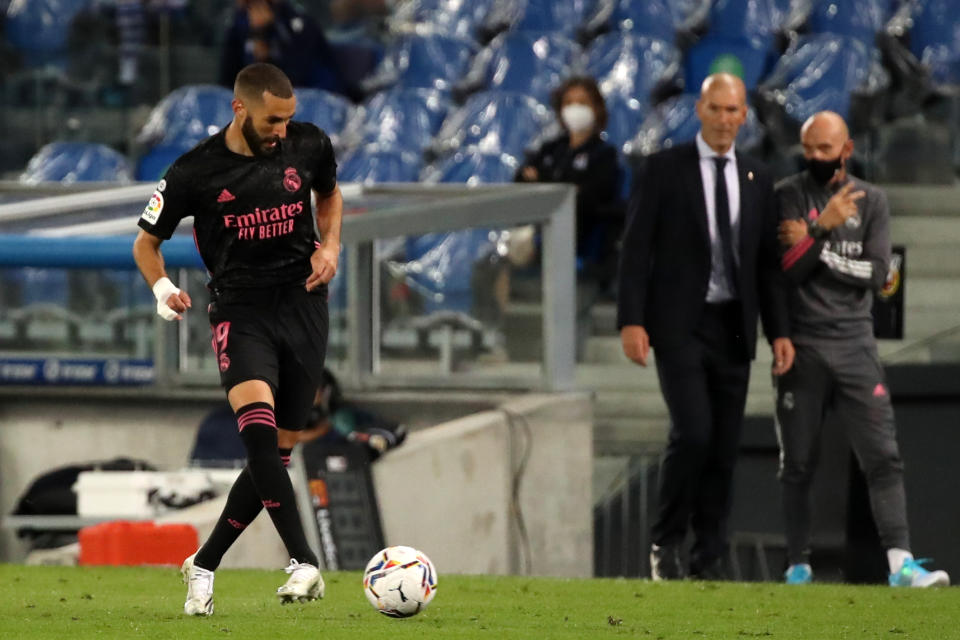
719 289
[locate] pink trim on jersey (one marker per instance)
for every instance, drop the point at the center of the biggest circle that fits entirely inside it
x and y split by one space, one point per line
285 460
796 252
259 416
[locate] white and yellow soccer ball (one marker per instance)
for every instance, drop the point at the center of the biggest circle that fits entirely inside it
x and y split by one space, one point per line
399 581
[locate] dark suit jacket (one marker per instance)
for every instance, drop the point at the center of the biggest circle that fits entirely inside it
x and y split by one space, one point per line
665 260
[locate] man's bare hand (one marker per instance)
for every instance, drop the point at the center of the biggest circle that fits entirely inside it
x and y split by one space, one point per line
636 343
530 174
792 231
323 263
783 355
841 206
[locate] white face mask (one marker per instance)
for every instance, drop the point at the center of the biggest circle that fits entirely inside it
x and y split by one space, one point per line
578 118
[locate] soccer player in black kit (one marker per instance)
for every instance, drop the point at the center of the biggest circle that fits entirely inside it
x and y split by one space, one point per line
249 189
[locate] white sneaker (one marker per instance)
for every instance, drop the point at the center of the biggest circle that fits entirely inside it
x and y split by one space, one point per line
912 574
199 588
303 585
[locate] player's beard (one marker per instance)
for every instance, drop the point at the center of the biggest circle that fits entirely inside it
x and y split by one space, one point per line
257 144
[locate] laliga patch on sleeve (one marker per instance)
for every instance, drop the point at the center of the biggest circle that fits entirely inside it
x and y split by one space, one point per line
152 211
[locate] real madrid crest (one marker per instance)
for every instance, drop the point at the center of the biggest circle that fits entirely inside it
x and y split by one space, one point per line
291 181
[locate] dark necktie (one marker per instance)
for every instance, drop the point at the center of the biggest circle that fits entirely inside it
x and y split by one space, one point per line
723 225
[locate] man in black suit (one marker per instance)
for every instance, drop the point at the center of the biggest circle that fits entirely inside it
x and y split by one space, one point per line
699 260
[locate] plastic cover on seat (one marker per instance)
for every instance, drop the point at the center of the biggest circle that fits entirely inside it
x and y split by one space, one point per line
654 18
935 39
624 117
371 164
426 61
472 167
823 71
494 122
329 111
440 266
530 63
454 17
539 16
401 118
70 162
40 29
675 121
756 20
860 19
632 66
188 115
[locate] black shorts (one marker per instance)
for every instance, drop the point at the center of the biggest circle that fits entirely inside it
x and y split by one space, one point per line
275 335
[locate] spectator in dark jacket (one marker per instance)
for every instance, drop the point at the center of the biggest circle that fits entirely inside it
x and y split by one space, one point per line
276 32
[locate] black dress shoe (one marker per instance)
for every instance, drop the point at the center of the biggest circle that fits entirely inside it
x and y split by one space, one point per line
665 562
709 570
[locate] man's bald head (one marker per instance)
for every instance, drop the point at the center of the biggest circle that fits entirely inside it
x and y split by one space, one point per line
722 108
723 82
826 123
826 146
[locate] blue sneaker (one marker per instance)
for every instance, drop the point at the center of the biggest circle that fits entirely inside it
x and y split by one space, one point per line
799 574
911 574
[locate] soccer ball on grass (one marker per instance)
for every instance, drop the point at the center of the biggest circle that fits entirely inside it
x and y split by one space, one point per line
399 581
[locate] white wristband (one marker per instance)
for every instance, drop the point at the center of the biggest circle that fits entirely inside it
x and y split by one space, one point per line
162 290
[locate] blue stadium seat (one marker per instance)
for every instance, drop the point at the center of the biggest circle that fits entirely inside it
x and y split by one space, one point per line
496 122
45 287
738 56
755 20
70 162
470 166
452 17
401 118
371 164
155 162
858 19
439 266
935 40
327 110
39 29
632 66
819 72
538 16
430 61
188 115
652 18
624 117
530 63
675 121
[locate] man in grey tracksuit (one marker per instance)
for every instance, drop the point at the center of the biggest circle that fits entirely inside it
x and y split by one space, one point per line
835 232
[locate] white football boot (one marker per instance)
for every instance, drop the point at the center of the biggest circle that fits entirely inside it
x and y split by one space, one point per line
303 585
199 588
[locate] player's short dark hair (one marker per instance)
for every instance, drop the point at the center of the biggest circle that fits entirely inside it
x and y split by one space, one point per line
258 77
589 85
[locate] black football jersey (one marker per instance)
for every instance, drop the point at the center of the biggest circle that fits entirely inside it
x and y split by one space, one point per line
252 216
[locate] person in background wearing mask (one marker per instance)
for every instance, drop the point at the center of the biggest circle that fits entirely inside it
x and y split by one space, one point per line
580 156
835 232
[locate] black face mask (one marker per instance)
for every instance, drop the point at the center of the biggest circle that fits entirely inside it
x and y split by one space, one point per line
823 170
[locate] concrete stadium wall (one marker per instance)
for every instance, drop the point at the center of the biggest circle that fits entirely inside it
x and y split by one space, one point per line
448 490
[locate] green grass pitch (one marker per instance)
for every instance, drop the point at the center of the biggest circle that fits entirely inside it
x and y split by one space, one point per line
78 603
